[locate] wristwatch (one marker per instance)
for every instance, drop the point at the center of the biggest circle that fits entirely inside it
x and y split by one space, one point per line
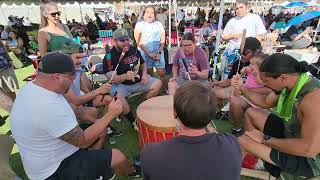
266 138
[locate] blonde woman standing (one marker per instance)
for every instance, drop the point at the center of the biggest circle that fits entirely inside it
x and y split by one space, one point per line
55 36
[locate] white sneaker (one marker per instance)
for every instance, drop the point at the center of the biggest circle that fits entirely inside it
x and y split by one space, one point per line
118 119
109 131
226 108
135 126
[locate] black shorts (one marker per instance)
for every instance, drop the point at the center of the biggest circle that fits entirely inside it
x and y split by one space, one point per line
295 165
85 165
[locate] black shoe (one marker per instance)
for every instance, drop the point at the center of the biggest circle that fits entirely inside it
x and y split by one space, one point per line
111 176
238 132
136 171
114 132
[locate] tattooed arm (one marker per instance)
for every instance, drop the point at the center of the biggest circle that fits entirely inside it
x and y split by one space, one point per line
84 139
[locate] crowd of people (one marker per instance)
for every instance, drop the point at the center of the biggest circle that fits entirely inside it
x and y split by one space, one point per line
60 133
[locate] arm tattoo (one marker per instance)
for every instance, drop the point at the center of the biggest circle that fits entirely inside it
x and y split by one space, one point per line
74 137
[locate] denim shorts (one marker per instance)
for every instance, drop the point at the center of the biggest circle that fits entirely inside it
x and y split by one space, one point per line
128 90
152 63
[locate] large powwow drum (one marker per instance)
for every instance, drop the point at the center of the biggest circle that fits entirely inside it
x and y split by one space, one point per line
155 120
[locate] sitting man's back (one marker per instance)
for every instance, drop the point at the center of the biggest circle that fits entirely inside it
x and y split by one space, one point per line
194 154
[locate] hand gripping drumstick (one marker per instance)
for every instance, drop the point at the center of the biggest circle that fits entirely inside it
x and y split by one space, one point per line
243 41
186 67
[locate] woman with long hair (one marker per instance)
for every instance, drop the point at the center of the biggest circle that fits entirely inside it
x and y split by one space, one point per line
150 35
55 36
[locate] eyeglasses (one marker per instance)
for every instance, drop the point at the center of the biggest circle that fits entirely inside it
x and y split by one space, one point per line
124 40
55 14
186 45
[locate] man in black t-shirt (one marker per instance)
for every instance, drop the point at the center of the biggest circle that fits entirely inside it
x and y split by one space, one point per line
131 74
222 89
194 154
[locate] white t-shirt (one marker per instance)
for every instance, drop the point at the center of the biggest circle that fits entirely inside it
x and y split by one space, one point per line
37 119
150 33
252 22
162 18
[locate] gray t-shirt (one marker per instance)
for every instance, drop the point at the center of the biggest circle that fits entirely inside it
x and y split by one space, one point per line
206 157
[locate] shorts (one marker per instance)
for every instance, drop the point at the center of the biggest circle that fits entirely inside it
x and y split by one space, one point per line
181 80
8 81
152 63
294 165
128 90
84 165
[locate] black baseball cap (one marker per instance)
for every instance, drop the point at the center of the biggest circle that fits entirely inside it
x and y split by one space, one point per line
56 62
251 44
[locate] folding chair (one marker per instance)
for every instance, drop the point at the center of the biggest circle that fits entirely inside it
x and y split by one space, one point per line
6 144
16 62
95 63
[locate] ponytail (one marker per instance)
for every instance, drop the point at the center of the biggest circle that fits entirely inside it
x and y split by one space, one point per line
277 64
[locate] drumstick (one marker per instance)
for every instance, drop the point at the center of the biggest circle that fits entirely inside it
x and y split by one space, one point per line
186 67
244 33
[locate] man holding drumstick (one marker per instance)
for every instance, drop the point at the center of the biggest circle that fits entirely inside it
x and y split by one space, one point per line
129 72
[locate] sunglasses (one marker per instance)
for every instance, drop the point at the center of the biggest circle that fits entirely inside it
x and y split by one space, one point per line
55 14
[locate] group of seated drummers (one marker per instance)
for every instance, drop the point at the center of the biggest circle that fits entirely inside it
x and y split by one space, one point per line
273 105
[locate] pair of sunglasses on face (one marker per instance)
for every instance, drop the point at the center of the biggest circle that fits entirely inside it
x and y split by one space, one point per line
54 14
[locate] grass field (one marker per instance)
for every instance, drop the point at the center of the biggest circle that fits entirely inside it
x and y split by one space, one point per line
127 143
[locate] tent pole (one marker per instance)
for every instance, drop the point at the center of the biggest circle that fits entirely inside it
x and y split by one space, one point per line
217 45
170 10
81 12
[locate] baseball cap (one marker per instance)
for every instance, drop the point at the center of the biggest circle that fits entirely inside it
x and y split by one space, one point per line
251 44
56 62
120 34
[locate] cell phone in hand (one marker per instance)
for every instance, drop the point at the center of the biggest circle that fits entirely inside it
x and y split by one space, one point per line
115 96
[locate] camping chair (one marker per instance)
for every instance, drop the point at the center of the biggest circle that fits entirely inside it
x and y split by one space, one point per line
16 62
105 35
6 144
95 67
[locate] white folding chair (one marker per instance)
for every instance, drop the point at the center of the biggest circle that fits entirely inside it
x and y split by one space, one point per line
92 61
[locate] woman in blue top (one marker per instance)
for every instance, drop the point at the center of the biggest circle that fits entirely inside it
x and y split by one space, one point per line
151 37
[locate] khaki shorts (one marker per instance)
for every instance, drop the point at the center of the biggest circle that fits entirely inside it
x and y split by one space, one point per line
8 81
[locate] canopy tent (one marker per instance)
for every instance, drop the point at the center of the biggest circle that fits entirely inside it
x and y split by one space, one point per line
69 11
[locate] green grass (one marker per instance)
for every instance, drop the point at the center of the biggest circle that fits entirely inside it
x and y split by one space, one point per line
127 143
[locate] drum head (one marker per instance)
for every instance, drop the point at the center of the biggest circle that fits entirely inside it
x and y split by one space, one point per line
157 113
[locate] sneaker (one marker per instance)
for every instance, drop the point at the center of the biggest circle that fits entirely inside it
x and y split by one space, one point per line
135 126
136 171
112 140
114 132
226 108
237 132
111 177
118 119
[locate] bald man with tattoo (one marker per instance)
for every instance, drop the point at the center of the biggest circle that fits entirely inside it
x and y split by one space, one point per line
51 143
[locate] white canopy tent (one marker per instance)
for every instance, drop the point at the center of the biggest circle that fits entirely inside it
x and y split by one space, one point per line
69 11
